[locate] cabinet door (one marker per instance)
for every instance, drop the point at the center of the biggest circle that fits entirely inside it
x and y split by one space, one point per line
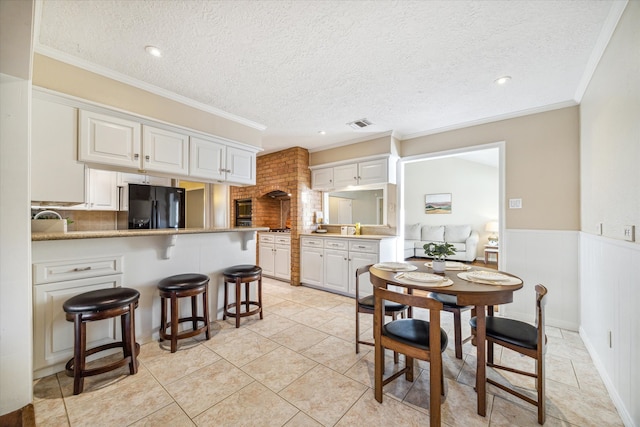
267 259
336 270
283 262
322 179
241 166
109 140
312 266
357 260
103 190
373 172
53 334
345 175
165 151
207 159
56 174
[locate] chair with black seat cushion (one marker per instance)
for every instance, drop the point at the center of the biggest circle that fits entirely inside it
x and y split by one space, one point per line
525 339
98 305
415 338
365 305
182 286
450 304
239 274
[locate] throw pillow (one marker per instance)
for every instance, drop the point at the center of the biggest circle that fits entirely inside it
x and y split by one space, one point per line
433 233
412 231
456 233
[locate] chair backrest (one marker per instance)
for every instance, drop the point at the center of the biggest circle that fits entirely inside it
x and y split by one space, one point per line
359 272
541 302
434 307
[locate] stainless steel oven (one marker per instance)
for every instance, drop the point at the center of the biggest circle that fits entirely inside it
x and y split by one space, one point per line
243 212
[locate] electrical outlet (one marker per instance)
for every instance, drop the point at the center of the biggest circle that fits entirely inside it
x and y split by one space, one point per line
599 229
630 233
515 203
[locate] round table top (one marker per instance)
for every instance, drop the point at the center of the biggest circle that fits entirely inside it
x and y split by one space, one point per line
468 293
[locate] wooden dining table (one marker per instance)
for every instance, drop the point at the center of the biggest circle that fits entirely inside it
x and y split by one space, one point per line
469 293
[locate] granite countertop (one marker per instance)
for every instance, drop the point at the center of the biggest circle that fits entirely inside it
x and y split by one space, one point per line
133 233
350 236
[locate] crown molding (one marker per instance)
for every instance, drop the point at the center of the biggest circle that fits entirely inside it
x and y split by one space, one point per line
114 75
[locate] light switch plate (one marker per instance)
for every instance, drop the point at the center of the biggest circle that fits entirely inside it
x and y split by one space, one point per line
630 233
515 203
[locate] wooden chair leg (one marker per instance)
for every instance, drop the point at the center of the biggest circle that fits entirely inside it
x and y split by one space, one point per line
205 314
396 358
238 301
357 330
457 327
163 317
80 346
194 312
226 300
174 322
260 296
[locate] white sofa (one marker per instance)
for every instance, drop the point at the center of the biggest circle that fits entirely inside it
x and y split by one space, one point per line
462 237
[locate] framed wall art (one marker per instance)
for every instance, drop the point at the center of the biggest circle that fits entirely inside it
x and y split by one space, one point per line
437 203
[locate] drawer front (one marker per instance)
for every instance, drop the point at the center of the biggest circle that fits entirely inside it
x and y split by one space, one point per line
58 271
363 246
336 244
283 240
266 238
312 242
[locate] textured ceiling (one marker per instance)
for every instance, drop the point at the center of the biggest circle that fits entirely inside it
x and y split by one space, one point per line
298 67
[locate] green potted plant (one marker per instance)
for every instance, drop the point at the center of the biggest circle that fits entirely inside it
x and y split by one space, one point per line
439 252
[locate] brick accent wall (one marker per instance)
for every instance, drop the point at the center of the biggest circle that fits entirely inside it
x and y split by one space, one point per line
288 171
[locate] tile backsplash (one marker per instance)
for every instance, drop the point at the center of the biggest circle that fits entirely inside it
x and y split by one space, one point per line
89 220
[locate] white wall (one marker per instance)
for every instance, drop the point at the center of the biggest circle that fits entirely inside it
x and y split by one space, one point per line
15 262
610 193
474 188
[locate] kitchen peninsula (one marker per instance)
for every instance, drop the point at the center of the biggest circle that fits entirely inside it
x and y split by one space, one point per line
66 264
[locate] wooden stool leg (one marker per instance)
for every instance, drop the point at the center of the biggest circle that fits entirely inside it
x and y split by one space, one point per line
260 296
80 346
194 312
205 313
238 301
174 322
131 339
163 317
226 300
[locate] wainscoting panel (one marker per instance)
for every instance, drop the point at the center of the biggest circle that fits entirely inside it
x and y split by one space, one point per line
548 257
610 317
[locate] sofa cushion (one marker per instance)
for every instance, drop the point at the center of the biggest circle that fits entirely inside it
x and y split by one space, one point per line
456 233
412 231
432 233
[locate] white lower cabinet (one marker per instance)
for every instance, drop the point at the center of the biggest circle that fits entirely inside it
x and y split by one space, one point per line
331 263
56 282
274 255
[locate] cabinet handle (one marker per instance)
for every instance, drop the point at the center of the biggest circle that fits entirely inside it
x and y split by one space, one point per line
136 156
228 170
147 158
82 269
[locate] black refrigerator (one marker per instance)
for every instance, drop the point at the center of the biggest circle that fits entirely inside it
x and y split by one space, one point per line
152 206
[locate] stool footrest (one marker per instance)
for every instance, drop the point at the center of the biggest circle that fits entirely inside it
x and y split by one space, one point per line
103 368
184 334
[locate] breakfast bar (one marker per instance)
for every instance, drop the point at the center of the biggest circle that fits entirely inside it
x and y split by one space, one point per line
66 264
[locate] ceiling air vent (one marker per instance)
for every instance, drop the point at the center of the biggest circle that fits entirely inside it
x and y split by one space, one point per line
360 124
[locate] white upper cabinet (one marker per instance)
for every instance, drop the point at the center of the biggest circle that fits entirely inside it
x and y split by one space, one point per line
56 174
366 172
322 178
207 159
103 190
164 151
213 160
109 140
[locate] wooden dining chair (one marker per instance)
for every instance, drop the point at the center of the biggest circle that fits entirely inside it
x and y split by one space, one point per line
525 339
450 304
365 305
416 339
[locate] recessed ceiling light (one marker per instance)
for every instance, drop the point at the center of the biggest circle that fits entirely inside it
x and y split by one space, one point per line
321 132
153 51
502 80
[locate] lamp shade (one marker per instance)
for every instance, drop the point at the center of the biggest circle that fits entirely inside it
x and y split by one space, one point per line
492 226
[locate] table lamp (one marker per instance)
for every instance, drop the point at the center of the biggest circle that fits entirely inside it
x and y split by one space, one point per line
492 227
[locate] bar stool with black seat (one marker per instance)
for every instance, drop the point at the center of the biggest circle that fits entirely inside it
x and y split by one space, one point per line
450 304
182 286
525 339
239 274
98 305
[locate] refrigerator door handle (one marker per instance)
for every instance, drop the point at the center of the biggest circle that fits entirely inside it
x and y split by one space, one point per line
154 214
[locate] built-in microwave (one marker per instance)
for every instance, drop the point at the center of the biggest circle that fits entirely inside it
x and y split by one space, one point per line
243 212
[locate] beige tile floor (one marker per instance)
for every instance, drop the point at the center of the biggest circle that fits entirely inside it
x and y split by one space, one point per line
298 367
